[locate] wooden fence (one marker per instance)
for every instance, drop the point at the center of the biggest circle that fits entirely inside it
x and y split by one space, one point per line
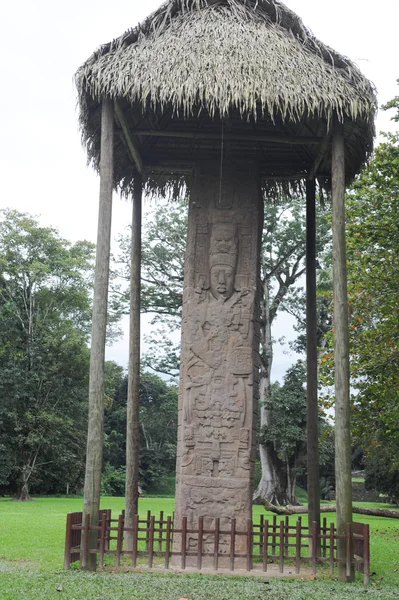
266 542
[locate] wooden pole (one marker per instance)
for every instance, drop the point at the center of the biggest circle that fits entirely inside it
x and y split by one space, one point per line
341 347
133 399
311 355
95 433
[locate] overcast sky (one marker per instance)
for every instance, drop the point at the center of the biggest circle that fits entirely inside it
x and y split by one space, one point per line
42 43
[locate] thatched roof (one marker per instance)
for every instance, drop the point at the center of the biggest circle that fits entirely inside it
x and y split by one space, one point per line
249 63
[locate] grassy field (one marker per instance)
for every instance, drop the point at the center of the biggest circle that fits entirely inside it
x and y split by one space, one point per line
31 559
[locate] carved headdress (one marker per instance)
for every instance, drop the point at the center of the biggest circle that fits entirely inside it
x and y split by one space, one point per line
224 245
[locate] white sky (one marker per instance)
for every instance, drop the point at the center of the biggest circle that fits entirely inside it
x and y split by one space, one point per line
42 43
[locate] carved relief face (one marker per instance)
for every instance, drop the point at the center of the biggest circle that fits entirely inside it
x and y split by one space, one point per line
222 281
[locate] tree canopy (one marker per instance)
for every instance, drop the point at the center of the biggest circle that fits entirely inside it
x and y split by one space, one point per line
45 312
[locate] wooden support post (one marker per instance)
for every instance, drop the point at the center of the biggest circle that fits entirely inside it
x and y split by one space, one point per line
95 434
341 350
133 400
311 354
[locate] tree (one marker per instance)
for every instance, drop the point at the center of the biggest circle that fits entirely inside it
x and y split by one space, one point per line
373 288
286 430
162 277
282 266
158 432
45 285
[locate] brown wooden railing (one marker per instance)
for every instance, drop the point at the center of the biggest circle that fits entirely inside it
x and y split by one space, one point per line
260 544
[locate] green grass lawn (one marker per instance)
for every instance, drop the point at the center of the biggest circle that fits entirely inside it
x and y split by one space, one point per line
31 559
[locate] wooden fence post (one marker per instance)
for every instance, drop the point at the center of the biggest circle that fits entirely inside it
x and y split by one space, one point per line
216 546
249 545
151 542
265 544
200 541
315 530
119 540
68 542
232 543
281 561
160 531
135 536
298 542
103 533
332 544
86 530
366 554
168 539
183 542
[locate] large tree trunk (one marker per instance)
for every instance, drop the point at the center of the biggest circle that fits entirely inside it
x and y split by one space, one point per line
324 508
273 486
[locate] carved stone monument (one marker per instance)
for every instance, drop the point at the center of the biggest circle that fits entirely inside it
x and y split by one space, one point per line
219 361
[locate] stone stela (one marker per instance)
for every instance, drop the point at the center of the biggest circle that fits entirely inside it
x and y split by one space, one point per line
219 362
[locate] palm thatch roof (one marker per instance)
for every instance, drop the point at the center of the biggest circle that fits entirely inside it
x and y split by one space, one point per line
200 73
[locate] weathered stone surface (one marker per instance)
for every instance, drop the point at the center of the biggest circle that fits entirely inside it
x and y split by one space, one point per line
220 340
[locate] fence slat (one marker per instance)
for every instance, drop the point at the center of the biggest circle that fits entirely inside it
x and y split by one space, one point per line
261 535
119 540
68 542
298 533
286 532
160 531
274 536
216 547
147 540
249 545
265 544
348 549
315 527
135 540
184 542
168 537
332 539
151 542
232 543
103 533
86 540
281 560
366 554
200 540
324 539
